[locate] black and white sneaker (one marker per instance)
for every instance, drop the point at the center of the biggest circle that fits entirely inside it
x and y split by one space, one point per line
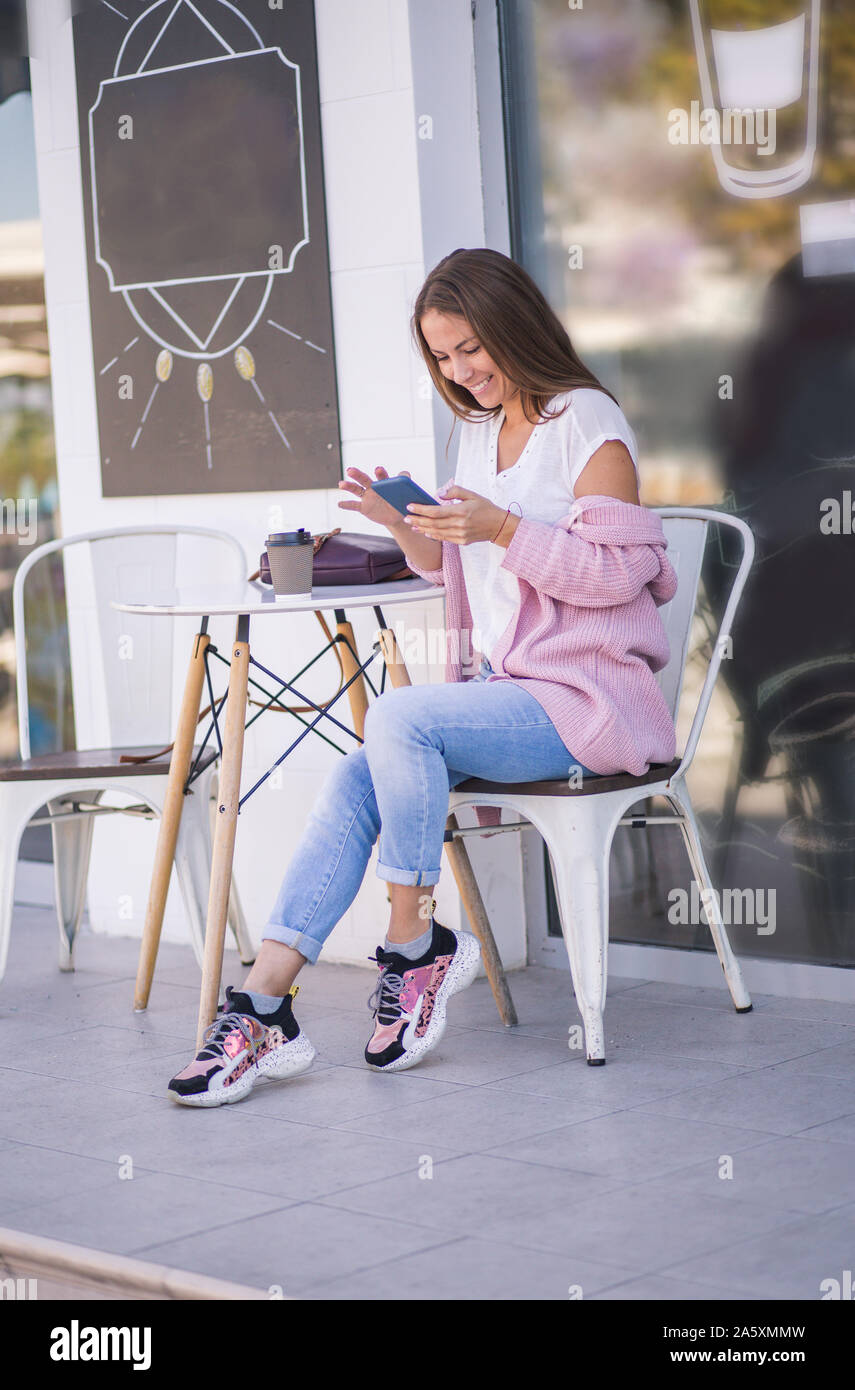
410 997
239 1047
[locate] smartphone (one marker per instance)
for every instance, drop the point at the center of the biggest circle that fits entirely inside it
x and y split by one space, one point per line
400 491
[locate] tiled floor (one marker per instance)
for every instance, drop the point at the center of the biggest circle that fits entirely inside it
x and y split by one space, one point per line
712 1157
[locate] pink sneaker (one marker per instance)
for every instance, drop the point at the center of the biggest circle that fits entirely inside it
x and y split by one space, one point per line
410 998
238 1048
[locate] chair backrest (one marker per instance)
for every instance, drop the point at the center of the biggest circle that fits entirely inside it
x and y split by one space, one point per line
121 664
686 532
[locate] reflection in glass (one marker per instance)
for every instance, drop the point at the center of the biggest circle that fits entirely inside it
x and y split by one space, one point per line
28 489
737 372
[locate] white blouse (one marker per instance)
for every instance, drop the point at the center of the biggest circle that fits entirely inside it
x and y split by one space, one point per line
541 483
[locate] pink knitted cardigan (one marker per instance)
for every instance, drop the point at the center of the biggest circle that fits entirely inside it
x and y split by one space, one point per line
586 639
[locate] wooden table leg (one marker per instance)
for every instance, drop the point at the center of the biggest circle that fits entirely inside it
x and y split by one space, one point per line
228 799
395 664
173 805
461 867
357 693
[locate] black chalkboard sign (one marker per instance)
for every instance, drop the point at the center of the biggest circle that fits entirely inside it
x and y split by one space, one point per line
207 247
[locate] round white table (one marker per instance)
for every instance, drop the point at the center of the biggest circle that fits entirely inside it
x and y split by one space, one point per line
253 599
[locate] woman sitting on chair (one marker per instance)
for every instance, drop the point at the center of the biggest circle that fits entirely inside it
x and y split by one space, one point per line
554 572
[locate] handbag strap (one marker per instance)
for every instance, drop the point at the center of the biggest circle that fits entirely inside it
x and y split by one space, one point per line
324 536
317 542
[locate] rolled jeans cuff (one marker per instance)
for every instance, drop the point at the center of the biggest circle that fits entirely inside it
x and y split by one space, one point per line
411 878
307 945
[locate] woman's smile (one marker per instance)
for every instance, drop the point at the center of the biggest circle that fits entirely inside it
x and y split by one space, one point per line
481 386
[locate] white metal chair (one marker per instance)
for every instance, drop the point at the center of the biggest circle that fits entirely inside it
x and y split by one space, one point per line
578 824
121 667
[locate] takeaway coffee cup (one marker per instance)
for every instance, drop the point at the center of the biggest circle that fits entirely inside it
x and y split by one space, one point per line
290 554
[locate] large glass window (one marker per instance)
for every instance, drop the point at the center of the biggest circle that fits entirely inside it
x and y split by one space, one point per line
682 179
28 490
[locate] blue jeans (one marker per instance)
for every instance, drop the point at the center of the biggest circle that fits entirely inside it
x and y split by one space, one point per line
420 741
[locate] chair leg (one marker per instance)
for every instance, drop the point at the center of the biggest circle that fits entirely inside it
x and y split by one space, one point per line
193 867
580 872
11 830
467 887
228 806
239 929
193 863
72 849
237 919
729 964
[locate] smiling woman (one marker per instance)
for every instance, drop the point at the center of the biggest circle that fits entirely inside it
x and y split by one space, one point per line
560 599
513 345
539 430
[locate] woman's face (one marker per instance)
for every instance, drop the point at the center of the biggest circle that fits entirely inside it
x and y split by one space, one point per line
463 360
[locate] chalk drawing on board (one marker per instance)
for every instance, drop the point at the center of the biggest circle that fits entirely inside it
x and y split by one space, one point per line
245 101
146 258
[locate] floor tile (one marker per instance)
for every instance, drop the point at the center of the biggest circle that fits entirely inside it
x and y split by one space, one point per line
32 1176
296 1248
827 1061
790 1263
693 996
714 1035
819 1010
472 1120
803 1175
543 1000
783 1103
81 1054
644 1227
630 1146
840 1131
474 1057
470 1269
21 1027
473 1194
656 1289
625 1080
333 1094
125 1215
260 1152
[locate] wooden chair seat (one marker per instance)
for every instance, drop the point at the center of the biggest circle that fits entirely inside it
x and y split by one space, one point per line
658 772
90 762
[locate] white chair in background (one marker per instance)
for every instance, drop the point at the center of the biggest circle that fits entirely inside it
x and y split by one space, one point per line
123 696
578 824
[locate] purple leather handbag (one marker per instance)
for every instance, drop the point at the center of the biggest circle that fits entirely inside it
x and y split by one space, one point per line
350 557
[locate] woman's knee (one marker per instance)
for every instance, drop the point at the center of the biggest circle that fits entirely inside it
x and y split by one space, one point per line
395 717
349 779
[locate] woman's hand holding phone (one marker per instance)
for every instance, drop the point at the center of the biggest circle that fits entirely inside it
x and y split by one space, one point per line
463 517
368 502
425 553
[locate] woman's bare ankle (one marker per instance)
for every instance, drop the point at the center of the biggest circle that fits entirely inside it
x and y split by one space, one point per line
275 970
412 909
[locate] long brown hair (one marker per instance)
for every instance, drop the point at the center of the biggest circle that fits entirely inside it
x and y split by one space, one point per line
513 322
